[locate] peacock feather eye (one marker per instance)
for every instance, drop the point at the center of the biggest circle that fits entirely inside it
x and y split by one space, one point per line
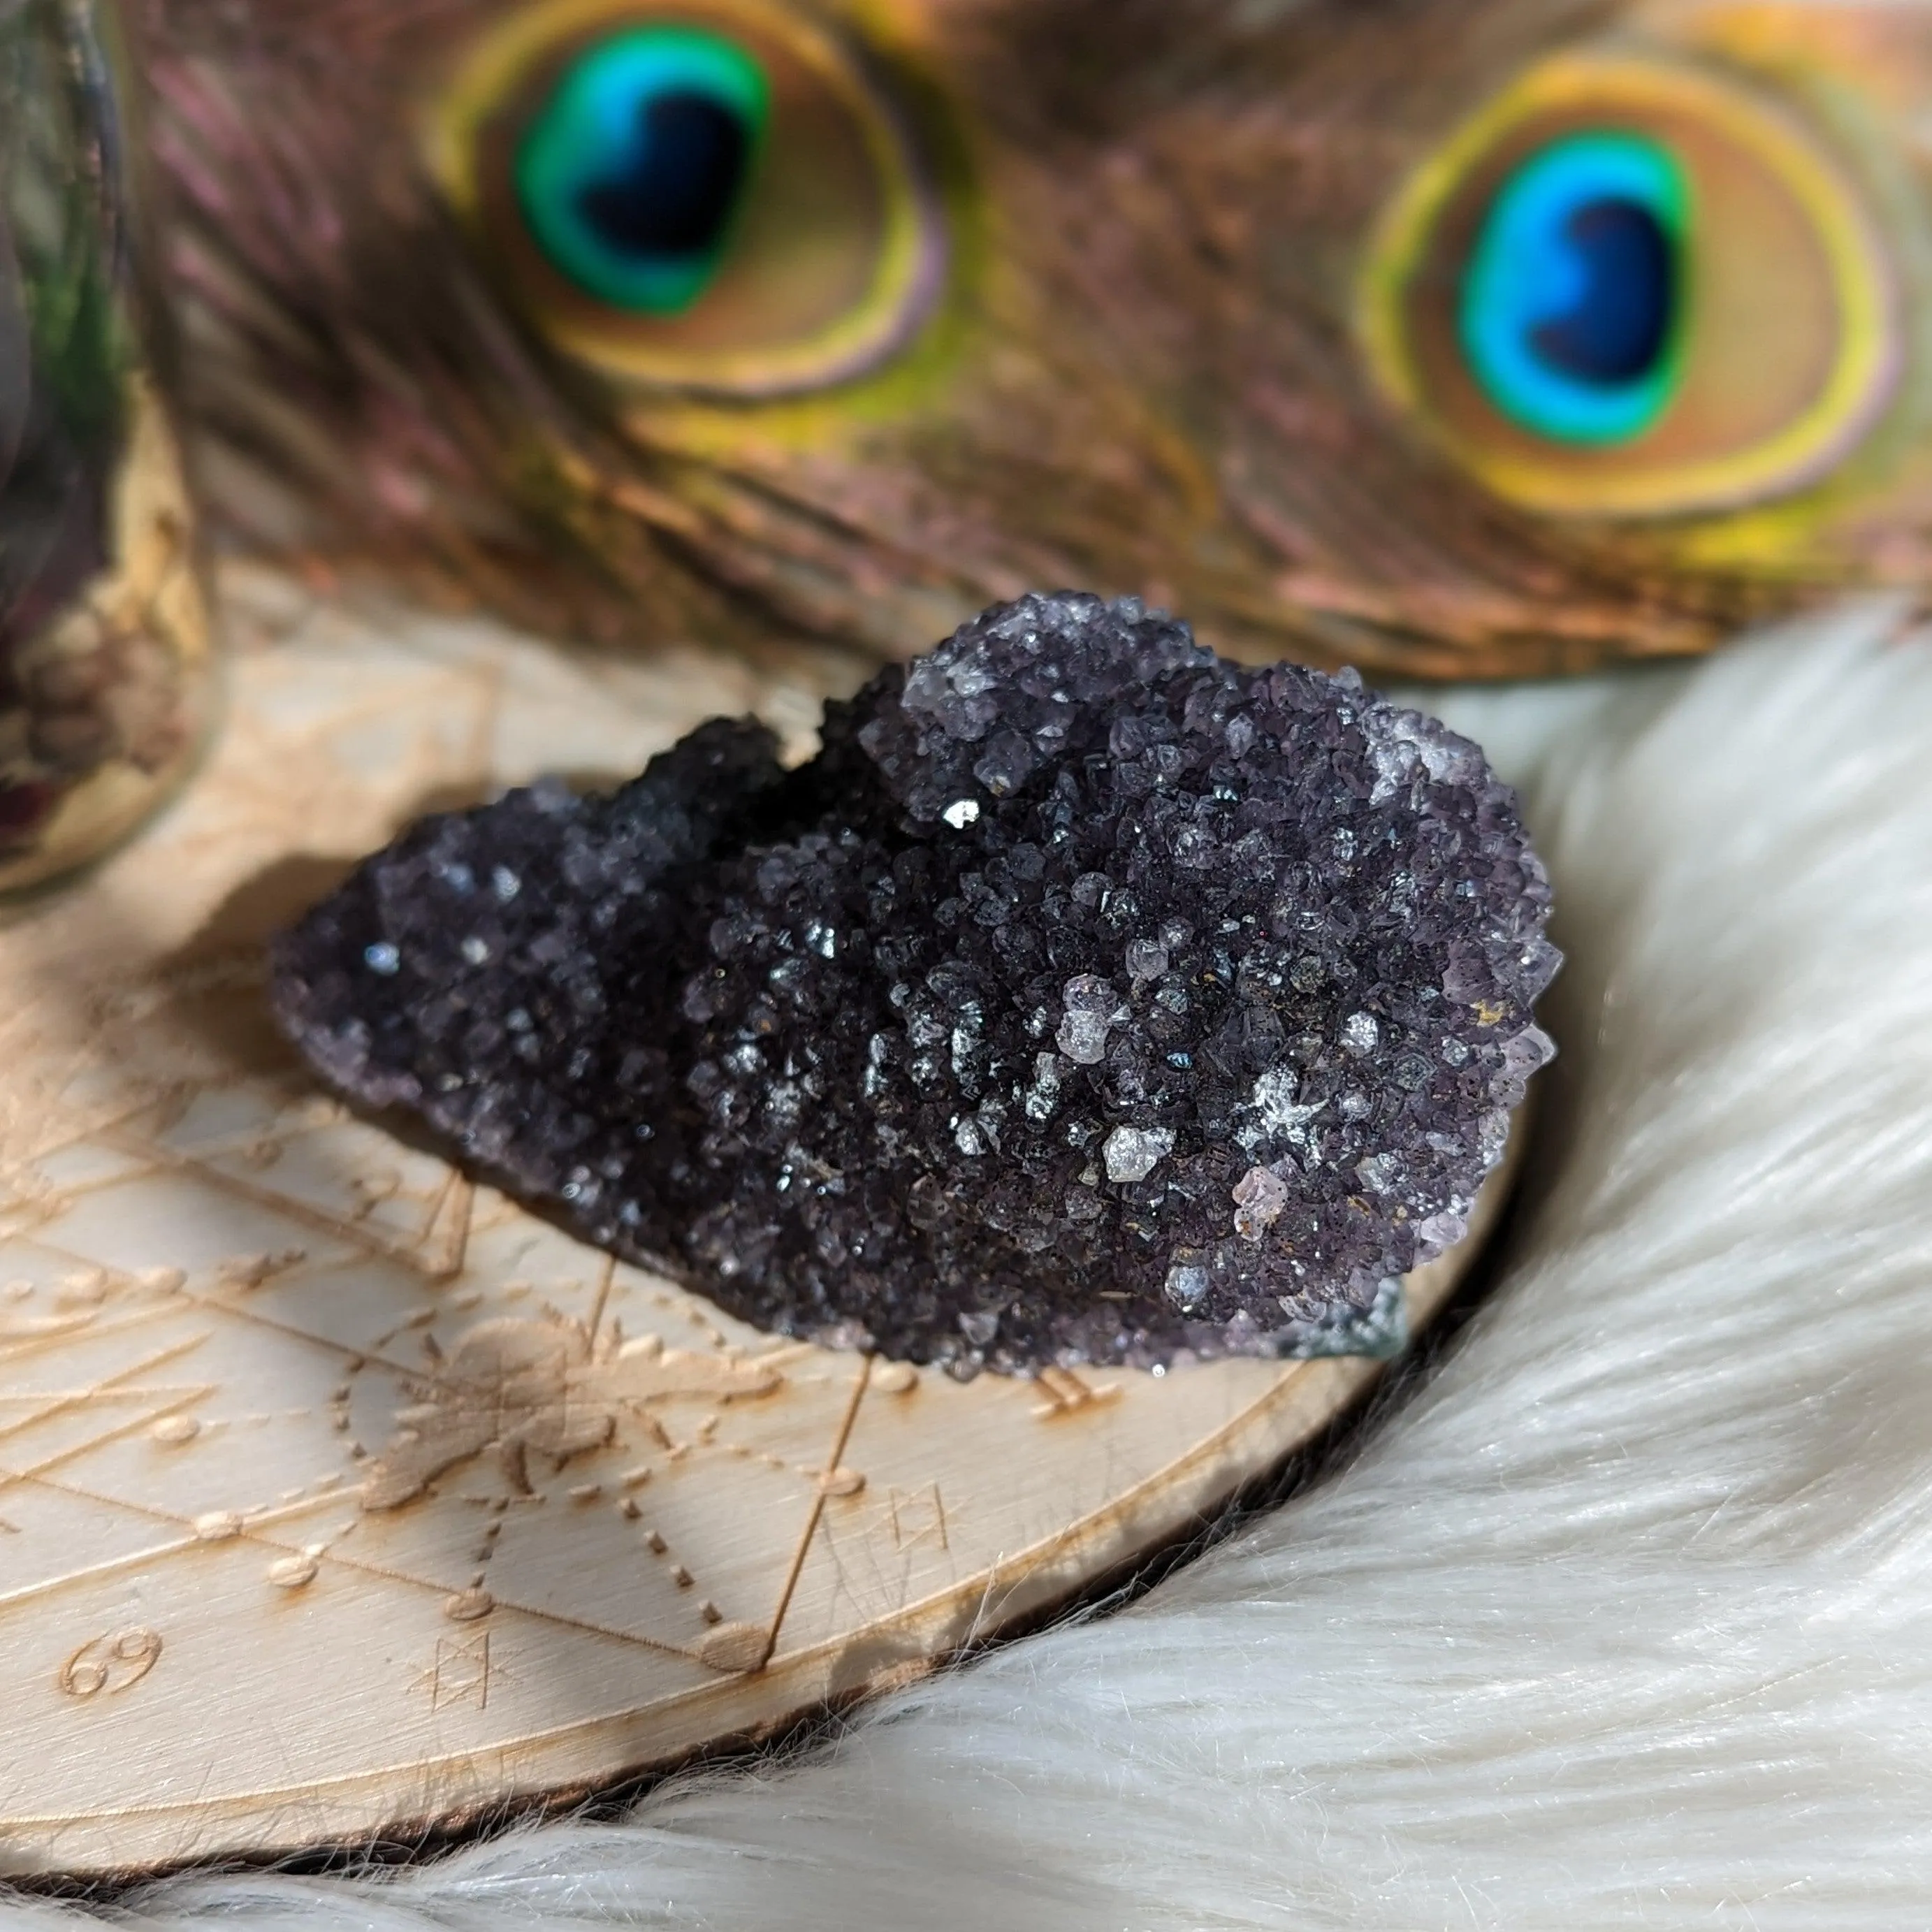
718 197
1572 308
1629 287
631 174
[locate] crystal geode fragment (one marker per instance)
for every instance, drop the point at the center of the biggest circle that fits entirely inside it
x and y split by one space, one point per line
1087 998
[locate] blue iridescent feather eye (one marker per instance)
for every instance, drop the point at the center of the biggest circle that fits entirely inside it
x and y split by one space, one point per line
631 174
1572 308
1629 287
718 197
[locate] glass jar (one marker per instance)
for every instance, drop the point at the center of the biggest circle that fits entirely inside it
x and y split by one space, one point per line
106 664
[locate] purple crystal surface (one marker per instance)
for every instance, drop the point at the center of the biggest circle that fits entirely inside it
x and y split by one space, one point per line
1087 999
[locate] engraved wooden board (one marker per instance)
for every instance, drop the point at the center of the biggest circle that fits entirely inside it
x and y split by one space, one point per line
337 1494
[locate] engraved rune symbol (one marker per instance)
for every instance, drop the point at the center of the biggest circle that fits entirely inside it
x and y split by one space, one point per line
1065 1393
461 1673
916 1516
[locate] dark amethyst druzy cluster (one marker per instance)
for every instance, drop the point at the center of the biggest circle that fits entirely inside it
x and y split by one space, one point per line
1087 998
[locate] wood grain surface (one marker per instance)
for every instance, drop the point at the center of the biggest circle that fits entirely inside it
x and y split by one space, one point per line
338 1495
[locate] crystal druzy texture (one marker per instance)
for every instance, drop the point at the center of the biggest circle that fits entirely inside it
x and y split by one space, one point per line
1087 999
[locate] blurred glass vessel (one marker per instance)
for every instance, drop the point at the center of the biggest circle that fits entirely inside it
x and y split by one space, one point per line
106 658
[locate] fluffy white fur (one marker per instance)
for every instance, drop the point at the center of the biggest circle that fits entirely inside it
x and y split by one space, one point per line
1624 1618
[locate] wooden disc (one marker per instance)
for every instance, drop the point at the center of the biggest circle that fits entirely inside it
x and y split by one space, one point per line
340 1496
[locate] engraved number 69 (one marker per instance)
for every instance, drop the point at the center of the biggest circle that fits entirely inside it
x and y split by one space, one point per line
112 1663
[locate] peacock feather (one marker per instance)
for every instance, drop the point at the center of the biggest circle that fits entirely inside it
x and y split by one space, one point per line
1448 336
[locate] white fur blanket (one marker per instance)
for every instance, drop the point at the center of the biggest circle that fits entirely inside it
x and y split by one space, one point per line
1624 1618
